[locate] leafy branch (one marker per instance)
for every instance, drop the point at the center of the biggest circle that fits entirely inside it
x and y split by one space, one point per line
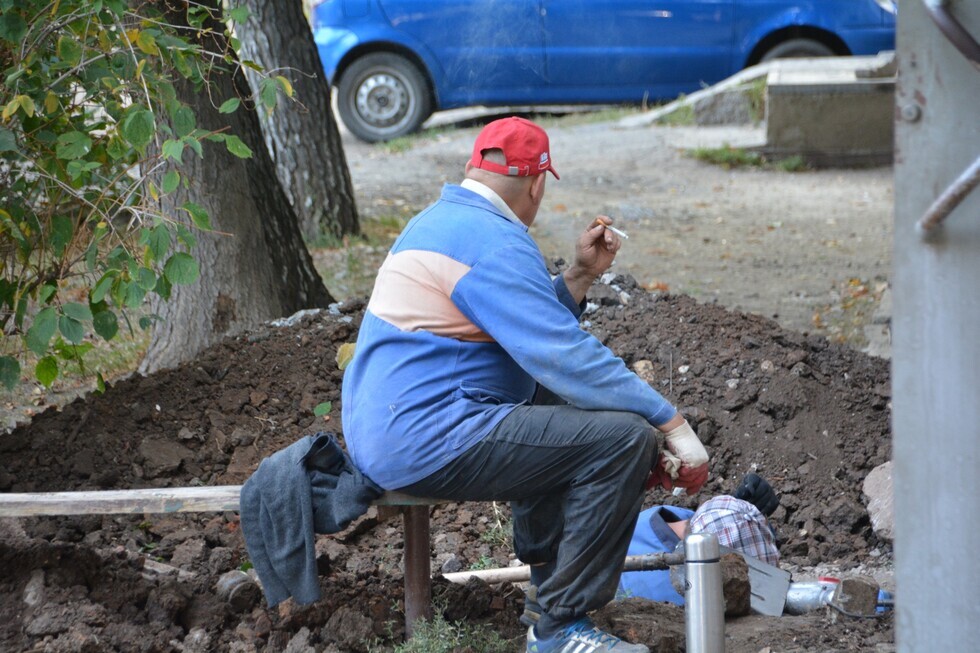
92 135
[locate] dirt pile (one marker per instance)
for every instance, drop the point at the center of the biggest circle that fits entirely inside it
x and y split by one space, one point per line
811 417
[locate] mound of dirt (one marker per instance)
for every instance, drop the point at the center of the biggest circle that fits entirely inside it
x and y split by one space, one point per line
810 416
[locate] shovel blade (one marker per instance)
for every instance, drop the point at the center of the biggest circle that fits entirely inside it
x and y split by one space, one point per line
769 585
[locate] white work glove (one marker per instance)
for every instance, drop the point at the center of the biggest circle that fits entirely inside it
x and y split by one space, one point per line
683 442
685 461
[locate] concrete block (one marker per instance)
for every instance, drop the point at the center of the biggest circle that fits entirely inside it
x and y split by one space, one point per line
830 117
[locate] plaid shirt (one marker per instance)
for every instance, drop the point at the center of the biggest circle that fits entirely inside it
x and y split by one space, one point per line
739 525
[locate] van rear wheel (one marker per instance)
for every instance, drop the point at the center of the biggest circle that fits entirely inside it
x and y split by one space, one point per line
383 96
797 48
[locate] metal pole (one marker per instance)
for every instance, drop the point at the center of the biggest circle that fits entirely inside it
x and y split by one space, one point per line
704 601
418 581
935 343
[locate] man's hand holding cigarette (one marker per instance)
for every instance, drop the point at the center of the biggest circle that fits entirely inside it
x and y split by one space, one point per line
595 251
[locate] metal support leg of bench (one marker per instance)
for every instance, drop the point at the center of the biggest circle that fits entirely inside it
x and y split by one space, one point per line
418 581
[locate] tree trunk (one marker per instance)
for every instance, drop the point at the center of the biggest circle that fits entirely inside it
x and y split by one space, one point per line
254 265
301 134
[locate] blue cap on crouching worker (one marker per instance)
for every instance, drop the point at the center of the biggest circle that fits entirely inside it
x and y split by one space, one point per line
525 146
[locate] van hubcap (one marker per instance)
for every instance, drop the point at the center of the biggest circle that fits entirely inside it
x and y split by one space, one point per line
383 100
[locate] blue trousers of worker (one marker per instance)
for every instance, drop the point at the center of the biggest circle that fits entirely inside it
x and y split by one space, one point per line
575 482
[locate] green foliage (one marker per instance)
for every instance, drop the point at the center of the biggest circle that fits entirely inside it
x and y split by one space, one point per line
501 532
755 93
728 156
587 115
91 136
795 163
499 535
442 636
322 409
681 116
408 142
736 157
484 562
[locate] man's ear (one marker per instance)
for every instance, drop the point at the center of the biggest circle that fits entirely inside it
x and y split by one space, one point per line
537 188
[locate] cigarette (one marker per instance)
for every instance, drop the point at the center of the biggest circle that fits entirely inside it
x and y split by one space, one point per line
618 232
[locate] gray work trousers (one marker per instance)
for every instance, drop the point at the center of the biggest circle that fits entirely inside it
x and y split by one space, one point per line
575 482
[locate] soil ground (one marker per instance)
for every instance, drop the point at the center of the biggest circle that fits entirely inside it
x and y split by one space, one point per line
810 414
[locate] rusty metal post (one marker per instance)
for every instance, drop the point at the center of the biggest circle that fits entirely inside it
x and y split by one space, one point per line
418 580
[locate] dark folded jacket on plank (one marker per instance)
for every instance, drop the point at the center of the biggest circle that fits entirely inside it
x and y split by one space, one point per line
309 487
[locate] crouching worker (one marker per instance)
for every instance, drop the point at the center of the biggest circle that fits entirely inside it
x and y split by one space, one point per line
463 326
739 521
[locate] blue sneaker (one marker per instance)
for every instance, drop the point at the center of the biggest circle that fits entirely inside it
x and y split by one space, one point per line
581 637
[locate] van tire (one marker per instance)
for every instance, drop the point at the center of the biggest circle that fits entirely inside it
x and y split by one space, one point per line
383 96
797 48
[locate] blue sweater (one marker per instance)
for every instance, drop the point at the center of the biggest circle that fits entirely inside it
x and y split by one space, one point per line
463 323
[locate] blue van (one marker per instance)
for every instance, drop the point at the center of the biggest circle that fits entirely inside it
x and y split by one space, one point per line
394 62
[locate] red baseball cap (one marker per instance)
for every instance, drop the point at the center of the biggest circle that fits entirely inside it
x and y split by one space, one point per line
524 144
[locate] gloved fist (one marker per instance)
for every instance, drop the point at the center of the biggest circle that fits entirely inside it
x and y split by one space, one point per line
669 472
664 472
692 479
683 442
757 491
684 463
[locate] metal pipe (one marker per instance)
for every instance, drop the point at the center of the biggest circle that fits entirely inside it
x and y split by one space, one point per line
704 601
646 562
953 30
950 199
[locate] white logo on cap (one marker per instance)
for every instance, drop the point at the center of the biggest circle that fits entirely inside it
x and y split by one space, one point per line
544 160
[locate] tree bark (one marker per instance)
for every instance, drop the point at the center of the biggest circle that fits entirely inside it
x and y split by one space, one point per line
254 265
301 134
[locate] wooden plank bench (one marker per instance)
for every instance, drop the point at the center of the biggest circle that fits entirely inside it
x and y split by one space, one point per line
225 498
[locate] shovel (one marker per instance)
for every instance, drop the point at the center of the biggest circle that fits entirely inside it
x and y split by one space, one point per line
769 585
